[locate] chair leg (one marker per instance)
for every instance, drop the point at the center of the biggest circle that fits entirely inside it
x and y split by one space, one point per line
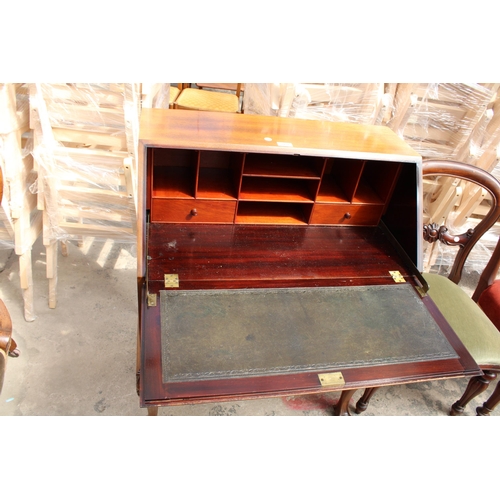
364 400
26 275
476 386
51 271
490 405
14 352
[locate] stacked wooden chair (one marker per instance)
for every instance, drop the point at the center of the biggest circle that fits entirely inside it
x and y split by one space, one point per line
444 121
20 221
158 95
484 152
263 98
85 150
437 119
342 102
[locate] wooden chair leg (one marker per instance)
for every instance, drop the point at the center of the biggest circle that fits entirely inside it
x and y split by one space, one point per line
14 352
364 400
52 272
476 386
64 247
26 275
341 409
490 405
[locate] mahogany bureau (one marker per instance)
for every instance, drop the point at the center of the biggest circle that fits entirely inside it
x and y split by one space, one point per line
280 257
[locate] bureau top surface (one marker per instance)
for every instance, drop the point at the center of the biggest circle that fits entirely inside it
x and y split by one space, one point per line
268 134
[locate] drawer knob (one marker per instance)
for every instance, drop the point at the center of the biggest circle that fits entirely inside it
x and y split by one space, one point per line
194 212
347 215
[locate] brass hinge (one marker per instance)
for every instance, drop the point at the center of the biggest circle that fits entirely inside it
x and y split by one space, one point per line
335 379
171 281
151 299
397 276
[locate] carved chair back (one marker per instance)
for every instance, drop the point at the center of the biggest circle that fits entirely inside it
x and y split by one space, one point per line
467 240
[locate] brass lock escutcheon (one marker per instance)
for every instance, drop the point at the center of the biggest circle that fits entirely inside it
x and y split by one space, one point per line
335 379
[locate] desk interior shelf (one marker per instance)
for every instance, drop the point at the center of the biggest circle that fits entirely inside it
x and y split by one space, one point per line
269 188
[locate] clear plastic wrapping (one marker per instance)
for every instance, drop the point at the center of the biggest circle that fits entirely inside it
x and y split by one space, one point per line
20 221
484 143
437 119
85 108
86 193
262 98
366 103
457 122
14 107
86 139
156 95
18 215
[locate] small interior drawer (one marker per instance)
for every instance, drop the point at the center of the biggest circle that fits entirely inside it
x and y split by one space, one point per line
349 214
192 211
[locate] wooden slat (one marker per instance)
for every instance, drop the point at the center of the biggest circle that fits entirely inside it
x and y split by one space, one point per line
14 107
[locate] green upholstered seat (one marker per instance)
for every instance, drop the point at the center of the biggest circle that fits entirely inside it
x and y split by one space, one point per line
473 327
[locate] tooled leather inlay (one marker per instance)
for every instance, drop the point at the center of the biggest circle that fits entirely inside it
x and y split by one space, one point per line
210 334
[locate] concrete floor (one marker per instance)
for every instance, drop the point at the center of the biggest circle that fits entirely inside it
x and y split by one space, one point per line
79 358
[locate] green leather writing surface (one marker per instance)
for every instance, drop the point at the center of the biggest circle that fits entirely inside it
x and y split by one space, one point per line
209 334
